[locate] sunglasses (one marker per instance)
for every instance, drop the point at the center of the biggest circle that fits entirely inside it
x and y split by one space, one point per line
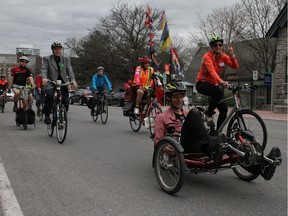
216 45
23 61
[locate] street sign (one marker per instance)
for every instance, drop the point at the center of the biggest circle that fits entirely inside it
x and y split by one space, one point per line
255 75
268 79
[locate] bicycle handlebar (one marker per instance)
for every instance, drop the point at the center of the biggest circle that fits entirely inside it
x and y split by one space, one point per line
58 84
235 88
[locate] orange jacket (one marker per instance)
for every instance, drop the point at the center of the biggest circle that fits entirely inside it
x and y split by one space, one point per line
143 77
212 65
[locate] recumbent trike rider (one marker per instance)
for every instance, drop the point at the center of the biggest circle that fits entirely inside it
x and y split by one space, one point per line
183 145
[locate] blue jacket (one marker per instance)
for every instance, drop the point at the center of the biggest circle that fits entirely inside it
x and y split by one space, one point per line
99 81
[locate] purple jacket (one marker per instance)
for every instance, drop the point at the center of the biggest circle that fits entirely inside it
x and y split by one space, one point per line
165 120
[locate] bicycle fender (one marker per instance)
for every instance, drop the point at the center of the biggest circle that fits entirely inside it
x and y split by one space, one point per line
174 142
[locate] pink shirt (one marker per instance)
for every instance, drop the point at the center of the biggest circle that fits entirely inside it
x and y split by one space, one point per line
165 120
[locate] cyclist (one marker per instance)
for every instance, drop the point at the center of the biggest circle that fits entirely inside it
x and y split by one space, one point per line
194 136
3 85
99 80
56 67
209 82
39 93
142 80
18 78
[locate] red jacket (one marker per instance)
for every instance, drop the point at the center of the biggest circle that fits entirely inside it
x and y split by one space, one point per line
212 66
38 81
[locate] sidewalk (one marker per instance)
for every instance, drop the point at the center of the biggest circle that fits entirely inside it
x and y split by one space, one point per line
271 115
262 113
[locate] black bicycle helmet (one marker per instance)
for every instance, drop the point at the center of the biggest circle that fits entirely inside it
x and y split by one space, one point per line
175 87
56 44
215 39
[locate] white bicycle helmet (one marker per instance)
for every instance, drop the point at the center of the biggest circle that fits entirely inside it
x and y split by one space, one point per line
100 68
56 44
24 58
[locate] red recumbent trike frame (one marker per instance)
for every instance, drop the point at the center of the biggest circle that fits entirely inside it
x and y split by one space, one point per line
171 163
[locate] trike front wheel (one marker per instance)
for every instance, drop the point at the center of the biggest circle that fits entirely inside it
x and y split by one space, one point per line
169 166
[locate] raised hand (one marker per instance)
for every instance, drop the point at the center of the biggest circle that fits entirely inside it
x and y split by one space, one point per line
230 49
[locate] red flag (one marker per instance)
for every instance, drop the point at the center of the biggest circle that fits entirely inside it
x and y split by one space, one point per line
148 20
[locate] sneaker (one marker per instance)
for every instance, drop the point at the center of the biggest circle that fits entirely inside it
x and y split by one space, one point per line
268 170
136 111
15 108
47 120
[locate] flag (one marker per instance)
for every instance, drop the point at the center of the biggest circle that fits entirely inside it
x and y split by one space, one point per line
148 20
175 61
161 22
165 38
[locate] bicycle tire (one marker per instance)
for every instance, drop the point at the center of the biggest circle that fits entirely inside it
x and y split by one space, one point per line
61 123
251 122
152 114
2 105
135 122
50 127
104 112
169 166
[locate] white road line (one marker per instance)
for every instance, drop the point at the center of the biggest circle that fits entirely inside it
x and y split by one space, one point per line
8 200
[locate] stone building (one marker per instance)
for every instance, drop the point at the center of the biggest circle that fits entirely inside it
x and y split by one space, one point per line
278 30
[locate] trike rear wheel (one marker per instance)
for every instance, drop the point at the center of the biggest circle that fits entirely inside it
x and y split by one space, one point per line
169 166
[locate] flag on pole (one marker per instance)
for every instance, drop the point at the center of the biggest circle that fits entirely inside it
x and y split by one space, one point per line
161 22
165 39
148 20
175 61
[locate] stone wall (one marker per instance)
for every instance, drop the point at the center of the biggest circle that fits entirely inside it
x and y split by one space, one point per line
280 73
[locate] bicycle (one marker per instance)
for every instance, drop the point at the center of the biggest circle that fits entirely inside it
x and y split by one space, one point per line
101 107
149 108
2 100
241 124
58 113
24 114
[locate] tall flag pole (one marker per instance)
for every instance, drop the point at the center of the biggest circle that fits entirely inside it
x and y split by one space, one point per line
149 22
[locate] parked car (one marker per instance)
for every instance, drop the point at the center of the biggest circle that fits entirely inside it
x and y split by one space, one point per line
81 96
116 99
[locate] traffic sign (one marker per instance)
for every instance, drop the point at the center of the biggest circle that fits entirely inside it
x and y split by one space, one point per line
268 79
255 75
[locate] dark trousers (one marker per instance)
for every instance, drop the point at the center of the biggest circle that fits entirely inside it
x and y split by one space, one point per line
216 93
194 136
39 97
49 99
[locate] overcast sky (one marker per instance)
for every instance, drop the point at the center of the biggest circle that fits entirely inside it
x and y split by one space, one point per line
41 22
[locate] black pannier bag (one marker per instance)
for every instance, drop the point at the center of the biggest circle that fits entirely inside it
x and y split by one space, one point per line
20 116
89 102
128 108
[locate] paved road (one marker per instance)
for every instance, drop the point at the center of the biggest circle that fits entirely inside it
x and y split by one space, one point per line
106 170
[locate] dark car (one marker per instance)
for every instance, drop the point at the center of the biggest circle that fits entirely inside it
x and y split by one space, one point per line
116 99
81 96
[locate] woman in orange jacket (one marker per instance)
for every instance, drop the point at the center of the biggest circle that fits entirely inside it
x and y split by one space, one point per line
209 82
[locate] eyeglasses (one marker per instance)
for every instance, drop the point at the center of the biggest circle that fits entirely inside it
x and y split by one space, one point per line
216 45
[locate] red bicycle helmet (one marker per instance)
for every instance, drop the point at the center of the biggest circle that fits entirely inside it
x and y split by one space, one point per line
145 59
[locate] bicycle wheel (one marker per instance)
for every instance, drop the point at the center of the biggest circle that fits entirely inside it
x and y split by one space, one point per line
61 124
135 122
251 122
2 104
153 112
251 172
50 127
169 166
104 112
